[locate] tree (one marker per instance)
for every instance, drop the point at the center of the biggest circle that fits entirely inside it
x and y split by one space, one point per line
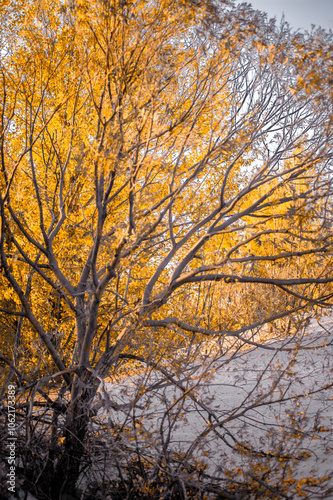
159 162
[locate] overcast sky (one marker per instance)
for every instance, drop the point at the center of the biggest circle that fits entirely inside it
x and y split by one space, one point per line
300 14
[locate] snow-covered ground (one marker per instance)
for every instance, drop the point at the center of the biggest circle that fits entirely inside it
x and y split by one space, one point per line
275 403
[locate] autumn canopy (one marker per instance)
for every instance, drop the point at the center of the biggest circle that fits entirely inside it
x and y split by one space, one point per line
166 183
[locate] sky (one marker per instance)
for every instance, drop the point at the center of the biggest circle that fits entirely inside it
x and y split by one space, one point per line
300 14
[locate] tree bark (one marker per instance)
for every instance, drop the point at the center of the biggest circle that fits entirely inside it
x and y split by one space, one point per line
63 474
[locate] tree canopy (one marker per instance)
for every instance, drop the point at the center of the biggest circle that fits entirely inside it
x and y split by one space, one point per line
166 179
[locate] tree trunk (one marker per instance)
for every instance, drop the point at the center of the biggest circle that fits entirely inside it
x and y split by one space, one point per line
62 475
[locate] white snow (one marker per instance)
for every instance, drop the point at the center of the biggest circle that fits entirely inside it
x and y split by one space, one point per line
274 397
